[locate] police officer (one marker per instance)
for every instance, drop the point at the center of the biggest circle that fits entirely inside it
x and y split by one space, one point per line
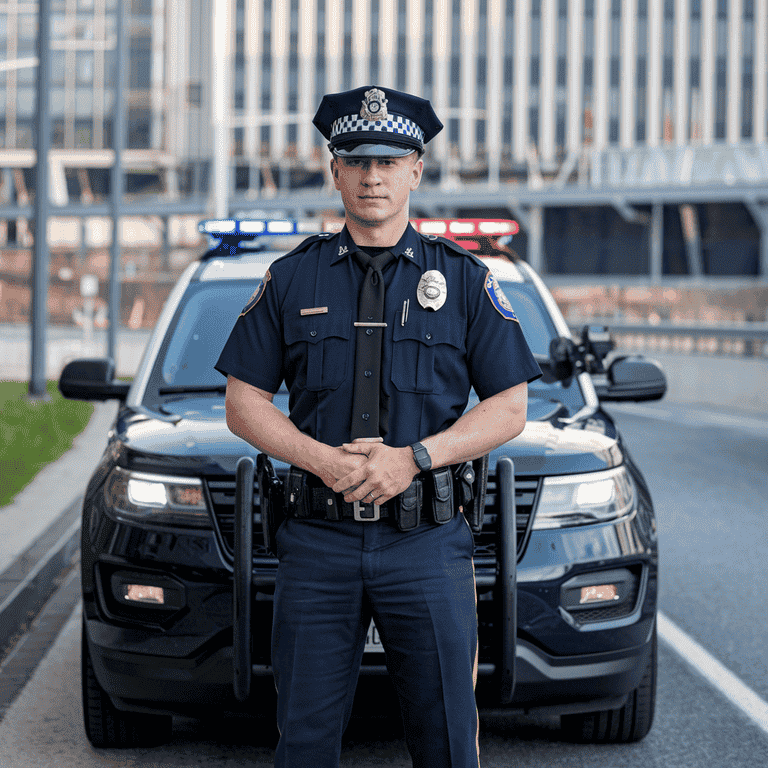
379 333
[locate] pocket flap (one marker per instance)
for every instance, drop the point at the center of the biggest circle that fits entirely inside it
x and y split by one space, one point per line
315 328
429 329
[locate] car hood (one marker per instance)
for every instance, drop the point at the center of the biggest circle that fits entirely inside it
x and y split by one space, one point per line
200 442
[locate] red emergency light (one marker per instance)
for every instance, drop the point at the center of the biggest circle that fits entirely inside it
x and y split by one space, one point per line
481 235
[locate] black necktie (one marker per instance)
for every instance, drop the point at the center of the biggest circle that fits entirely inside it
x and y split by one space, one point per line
370 332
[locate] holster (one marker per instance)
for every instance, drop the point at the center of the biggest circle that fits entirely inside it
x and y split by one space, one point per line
271 500
472 481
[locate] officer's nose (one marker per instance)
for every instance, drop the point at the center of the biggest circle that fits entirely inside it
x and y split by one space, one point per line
371 175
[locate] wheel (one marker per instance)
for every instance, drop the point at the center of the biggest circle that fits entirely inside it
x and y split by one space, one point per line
107 726
619 726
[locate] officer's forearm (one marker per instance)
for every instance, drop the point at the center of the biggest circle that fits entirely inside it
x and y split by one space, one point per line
488 425
253 417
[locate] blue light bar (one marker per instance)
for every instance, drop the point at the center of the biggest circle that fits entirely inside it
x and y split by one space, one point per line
251 228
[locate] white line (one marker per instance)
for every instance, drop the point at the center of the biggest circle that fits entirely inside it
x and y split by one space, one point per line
755 708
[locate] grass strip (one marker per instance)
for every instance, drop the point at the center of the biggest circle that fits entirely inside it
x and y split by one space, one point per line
34 433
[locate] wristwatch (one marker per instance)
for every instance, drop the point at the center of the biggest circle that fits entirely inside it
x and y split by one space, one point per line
421 457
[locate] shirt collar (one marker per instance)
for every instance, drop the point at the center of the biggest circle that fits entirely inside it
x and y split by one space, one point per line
408 246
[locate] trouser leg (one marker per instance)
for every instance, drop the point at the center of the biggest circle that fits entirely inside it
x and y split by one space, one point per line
319 627
422 591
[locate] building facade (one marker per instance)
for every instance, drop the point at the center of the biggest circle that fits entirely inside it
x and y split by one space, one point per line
595 98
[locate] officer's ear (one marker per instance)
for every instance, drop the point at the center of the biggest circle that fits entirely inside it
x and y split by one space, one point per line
335 170
416 171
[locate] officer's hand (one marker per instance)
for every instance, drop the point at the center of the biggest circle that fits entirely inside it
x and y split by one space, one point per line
338 463
386 472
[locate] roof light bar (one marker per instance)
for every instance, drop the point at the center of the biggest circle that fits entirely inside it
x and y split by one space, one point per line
461 227
256 227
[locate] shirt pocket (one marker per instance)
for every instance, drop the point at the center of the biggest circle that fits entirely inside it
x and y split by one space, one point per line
323 342
423 351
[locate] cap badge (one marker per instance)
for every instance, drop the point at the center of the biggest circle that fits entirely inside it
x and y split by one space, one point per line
374 105
431 290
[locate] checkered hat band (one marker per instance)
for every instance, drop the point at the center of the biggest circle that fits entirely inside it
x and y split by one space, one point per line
393 124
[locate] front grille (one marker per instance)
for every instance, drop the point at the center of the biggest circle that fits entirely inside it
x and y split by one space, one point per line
221 492
526 496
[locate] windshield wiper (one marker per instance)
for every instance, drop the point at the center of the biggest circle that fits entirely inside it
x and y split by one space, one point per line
182 388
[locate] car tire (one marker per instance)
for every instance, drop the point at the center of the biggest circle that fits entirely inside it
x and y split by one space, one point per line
107 726
625 724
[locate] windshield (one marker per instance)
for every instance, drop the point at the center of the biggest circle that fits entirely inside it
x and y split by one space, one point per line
200 330
210 308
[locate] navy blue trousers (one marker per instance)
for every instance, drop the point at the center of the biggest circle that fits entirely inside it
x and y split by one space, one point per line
419 587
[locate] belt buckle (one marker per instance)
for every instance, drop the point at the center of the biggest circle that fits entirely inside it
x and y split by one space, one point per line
357 508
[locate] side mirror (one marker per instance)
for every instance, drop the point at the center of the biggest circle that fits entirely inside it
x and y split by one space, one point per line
632 377
92 379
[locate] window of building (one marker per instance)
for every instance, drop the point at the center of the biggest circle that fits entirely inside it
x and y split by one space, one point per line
140 62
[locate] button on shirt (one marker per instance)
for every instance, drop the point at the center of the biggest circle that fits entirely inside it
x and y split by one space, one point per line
429 362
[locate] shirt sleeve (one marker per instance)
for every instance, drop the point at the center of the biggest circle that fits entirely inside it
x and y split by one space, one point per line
253 352
498 354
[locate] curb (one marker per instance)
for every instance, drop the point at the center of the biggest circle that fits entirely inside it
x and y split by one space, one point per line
36 574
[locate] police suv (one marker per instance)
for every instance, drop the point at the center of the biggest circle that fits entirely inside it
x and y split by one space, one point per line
178 585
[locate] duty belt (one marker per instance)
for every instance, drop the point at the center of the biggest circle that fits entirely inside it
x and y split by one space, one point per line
429 498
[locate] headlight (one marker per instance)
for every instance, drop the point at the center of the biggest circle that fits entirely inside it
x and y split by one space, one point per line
583 499
141 497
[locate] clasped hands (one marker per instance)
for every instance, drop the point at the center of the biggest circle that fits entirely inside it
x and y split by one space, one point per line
385 472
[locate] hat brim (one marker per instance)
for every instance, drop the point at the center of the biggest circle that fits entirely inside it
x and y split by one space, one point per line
373 150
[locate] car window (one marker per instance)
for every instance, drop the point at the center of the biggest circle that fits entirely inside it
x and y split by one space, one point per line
539 330
200 330
537 326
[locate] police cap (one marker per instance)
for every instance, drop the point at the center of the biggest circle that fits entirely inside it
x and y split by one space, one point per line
376 122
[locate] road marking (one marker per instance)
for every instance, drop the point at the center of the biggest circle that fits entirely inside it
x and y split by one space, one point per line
740 694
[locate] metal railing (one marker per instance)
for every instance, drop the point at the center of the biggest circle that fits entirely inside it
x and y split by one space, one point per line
740 339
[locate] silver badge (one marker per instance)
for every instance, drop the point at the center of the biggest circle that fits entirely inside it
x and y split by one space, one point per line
374 105
431 291
343 249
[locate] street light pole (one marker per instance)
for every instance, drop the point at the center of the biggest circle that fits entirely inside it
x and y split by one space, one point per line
222 85
117 181
37 379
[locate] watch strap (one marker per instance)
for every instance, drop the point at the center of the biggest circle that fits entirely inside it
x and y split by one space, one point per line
421 457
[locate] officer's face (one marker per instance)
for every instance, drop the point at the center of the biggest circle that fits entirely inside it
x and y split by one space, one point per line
375 190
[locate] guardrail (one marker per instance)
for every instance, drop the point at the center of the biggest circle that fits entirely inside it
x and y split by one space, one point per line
731 331
737 339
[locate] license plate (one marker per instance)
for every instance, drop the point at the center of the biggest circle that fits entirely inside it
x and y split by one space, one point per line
373 641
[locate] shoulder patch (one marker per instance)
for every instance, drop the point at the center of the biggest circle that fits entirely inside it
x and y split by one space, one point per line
257 294
498 299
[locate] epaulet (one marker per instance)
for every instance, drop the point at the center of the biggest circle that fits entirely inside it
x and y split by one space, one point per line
453 246
306 244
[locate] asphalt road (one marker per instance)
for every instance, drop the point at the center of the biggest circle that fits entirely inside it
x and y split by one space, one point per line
707 473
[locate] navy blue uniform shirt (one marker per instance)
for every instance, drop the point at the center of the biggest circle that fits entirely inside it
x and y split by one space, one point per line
429 363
